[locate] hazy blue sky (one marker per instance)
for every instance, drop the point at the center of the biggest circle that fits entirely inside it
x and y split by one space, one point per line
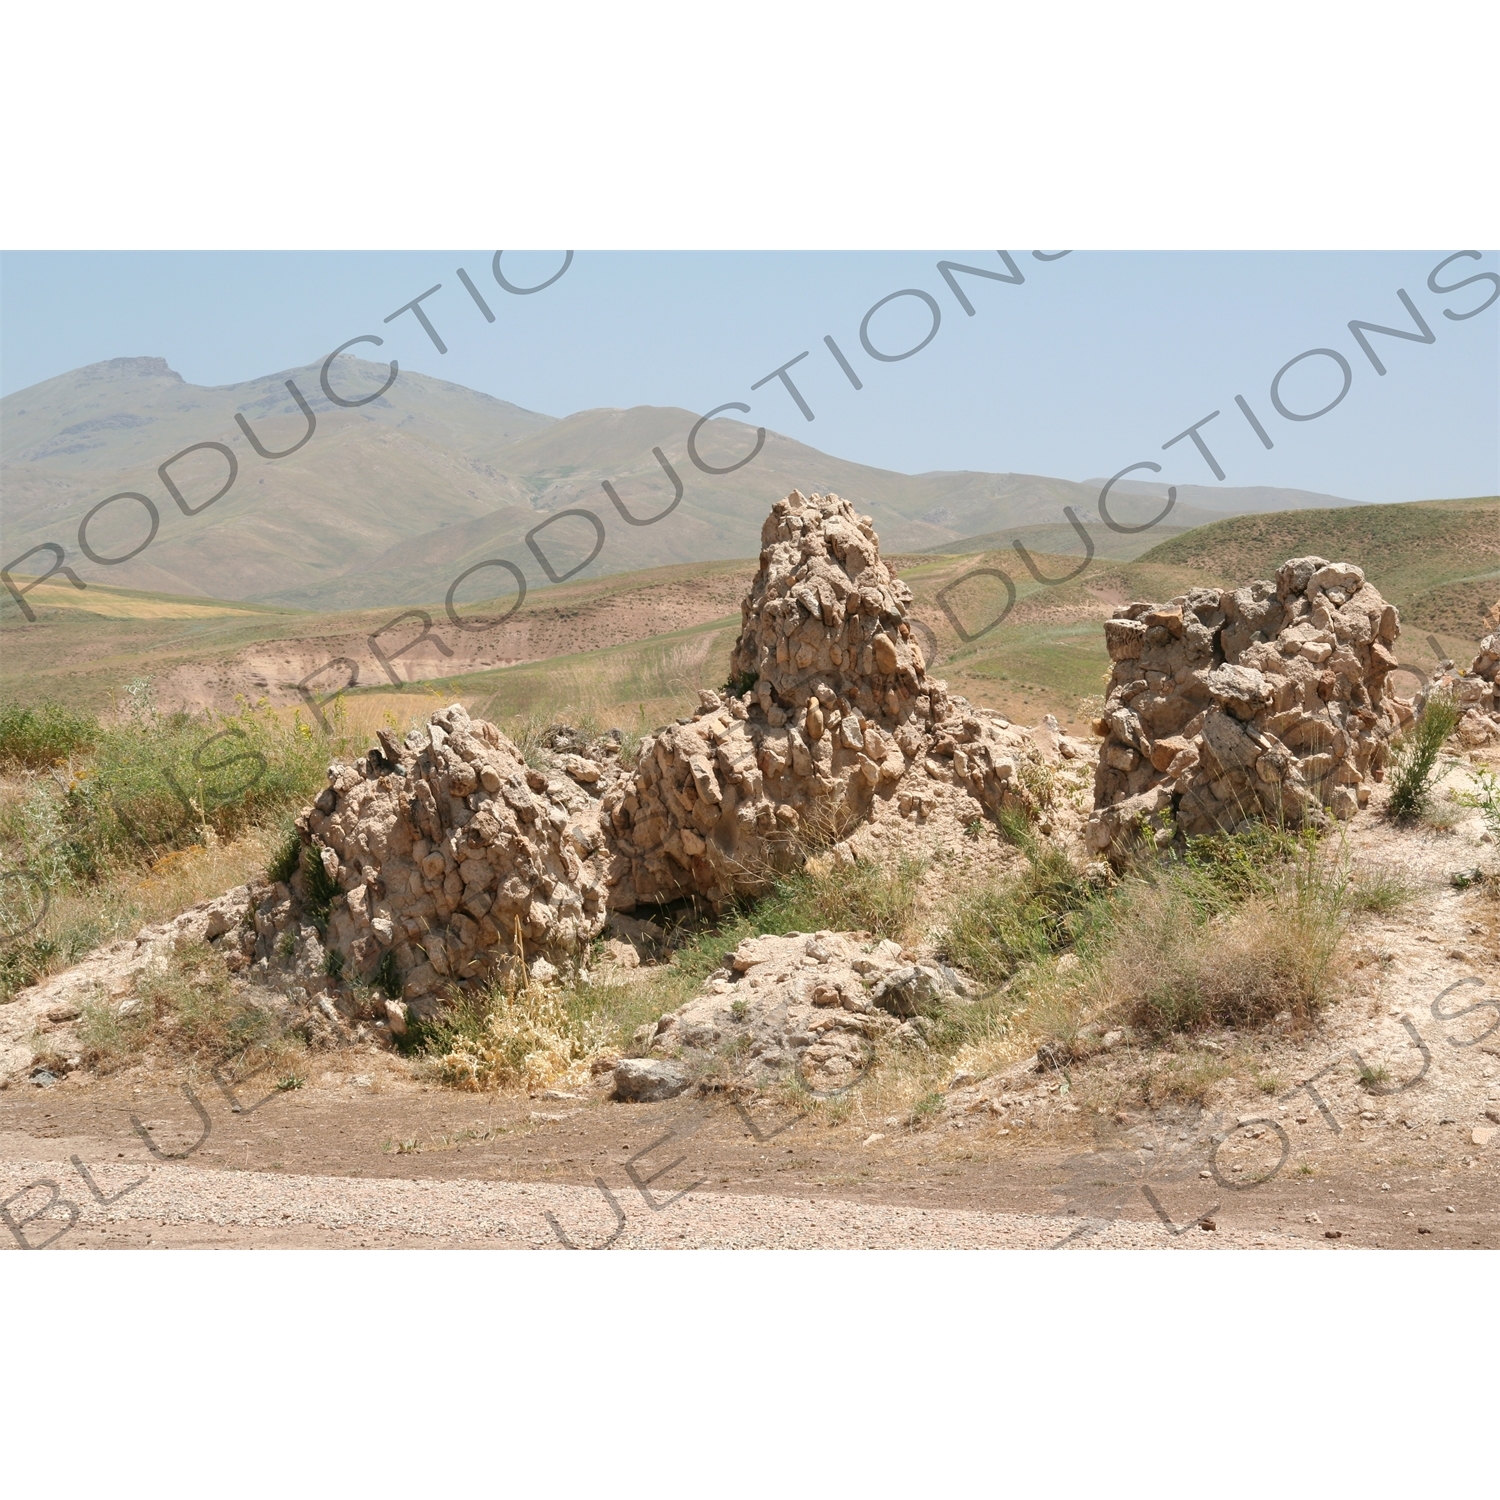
1092 364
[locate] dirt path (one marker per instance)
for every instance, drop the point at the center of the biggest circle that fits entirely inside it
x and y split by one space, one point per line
369 1159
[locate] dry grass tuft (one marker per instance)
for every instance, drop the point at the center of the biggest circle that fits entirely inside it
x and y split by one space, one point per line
528 1038
185 1007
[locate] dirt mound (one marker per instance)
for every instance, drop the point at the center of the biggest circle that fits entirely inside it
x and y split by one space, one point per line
1228 705
829 708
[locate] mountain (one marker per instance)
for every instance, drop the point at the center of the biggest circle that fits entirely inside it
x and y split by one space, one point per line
389 501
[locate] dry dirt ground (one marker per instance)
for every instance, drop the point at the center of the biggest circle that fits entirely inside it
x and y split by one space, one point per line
1286 1148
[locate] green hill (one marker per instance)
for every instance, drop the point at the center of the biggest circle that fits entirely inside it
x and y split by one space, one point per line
1438 561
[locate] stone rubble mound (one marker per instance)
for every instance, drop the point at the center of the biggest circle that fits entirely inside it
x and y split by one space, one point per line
449 858
797 1002
1475 690
830 706
1230 705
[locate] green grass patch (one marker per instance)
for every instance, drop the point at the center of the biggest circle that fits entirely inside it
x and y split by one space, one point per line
49 734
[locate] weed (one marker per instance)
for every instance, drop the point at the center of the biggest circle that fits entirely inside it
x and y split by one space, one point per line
286 944
289 1082
1379 891
1302 1170
1186 1078
1234 932
925 1108
1269 1083
994 931
387 977
1486 797
185 1006
321 888
529 1037
284 862
1414 757
1444 817
739 1009
333 964
1373 1075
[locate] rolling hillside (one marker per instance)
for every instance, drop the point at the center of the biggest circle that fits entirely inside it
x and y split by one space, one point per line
635 646
386 503
1437 560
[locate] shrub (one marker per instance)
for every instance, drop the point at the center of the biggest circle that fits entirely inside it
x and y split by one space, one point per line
1486 797
1238 930
865 897
162 782
283 863
1172 957
321 888
1414 758
43 736
387 977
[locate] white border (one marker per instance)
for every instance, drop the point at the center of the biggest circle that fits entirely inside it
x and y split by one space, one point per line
793 123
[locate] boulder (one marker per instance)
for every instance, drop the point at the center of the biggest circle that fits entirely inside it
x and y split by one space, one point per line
645 1080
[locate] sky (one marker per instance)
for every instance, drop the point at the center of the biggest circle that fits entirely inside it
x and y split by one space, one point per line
1092 362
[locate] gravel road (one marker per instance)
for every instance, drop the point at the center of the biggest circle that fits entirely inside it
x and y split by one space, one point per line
183 1205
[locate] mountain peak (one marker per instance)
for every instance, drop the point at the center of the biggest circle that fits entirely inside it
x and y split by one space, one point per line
145 365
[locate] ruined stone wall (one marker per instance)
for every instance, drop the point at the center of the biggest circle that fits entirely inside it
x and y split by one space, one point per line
1475 690
830 705
1227 705
447 860
452 855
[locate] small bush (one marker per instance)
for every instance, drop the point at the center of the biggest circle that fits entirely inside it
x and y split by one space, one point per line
387 977
865 898
1237 931
1380 891
928 1107
161 782
1241 968
284 861
1414 758
1486 797
34 738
